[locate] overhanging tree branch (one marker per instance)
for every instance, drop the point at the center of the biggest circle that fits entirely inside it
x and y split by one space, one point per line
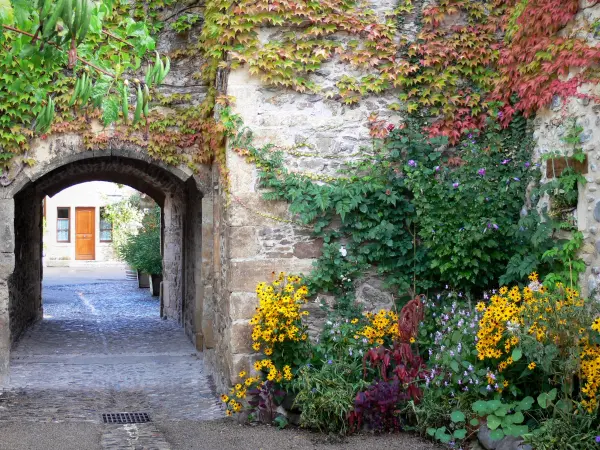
79 58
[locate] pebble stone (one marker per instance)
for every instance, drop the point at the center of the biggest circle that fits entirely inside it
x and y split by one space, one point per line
102 348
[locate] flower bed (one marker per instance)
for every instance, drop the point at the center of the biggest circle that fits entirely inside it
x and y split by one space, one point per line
523 362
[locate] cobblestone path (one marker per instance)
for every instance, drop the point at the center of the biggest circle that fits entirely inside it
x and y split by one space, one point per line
103 348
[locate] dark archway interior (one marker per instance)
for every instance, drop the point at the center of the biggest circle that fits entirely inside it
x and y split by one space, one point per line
181 244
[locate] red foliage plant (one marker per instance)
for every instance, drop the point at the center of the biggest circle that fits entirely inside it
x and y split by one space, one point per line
397 373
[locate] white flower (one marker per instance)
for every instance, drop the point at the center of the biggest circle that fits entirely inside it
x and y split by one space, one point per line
343 251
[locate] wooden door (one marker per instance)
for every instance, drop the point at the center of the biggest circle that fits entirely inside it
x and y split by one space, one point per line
85 233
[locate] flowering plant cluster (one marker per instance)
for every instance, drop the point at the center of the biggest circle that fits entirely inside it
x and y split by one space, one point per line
548 333
239 392
277 325
381 326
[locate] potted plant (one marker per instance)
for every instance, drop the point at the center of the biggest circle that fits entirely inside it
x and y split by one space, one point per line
142 252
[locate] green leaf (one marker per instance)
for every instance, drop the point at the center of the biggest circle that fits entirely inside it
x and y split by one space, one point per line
7 15
474 422
493 422
543 400
552 395
460 433
454 365
431 431
516 430
525 404
480 407
457 416
496 435
564 405
110 110
517 417
516 354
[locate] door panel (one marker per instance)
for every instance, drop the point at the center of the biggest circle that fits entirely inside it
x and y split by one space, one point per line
85 233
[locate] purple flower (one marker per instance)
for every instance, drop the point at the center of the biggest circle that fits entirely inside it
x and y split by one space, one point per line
470 136
495 226
516 179
455 185
481 172
598 439
437 168
330 362
412 163
500 115
527 164
506 161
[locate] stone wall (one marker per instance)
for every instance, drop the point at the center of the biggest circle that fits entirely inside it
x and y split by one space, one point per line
327 134
25 299
551 126
63 161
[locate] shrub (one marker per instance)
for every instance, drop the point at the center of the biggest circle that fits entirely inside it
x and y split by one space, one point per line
325 395
142 250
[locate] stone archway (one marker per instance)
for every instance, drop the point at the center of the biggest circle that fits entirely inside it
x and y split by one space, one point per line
178 192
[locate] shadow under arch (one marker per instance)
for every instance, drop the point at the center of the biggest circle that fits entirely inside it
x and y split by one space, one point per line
176 192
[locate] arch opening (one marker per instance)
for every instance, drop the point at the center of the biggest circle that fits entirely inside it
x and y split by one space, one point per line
181 241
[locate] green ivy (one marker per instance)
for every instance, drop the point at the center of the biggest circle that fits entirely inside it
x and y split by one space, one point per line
418 213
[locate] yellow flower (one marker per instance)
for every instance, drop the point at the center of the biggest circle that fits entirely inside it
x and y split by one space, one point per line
228 412
503 290
257 365
480 306
256 346
242 374
412 340
596 325
268 351
353 321
379 341
533 276
238 387
224 398
531 366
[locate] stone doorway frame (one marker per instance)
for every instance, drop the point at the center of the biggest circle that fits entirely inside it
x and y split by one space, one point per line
63 163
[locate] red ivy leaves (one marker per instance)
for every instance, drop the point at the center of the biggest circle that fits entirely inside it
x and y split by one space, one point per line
536 62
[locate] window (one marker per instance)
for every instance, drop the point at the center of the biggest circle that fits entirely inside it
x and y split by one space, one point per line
106 227
63 225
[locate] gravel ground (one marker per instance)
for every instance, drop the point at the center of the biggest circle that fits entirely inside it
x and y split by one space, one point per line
191 435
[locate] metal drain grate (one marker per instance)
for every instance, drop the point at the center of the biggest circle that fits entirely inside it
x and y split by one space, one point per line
130 417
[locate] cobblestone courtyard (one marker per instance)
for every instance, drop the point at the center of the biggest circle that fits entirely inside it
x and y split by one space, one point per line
103 348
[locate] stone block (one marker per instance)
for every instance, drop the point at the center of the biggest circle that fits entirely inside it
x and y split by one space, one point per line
7 265
208 333
241 337
310 249
242 176
242 305
240 363
7 225
245 275
251 210
243 242
371 296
